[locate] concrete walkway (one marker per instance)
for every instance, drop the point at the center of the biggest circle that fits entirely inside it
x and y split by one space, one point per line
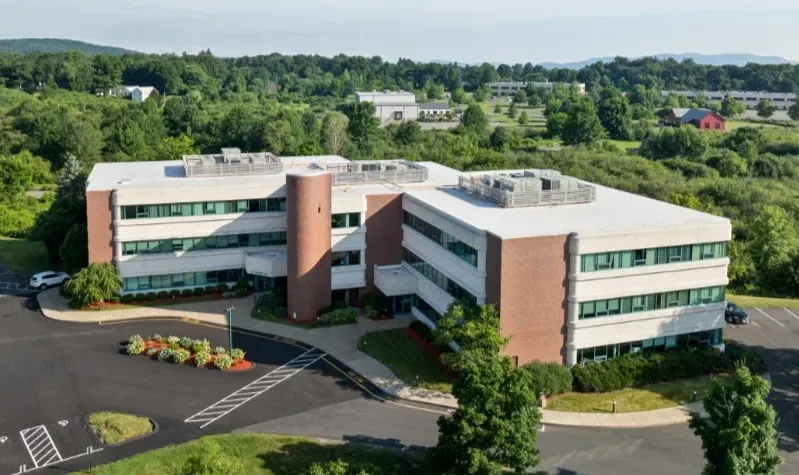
341 343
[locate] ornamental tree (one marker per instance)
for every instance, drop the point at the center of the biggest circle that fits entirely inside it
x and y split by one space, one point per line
739 434
96 283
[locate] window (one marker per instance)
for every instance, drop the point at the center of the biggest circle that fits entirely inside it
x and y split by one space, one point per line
651 256
345 258
462 250
652 345
200 244
203 208
441 280
718 125
346 220
644 303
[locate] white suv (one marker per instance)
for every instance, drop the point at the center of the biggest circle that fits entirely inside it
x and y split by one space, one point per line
43 280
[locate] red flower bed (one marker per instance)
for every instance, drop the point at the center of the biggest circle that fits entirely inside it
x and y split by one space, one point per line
430 349
237 365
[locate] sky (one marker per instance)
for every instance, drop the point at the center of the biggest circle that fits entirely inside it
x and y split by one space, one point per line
457 30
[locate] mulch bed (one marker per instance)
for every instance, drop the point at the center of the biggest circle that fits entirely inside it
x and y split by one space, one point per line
430 349
157 302
380 318
238 365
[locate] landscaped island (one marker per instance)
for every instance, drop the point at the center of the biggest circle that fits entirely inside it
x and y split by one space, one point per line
184 350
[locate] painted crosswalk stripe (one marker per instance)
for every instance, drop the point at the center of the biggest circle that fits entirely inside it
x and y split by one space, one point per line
40 446
249 392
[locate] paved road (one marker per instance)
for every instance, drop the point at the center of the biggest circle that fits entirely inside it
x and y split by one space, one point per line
774 333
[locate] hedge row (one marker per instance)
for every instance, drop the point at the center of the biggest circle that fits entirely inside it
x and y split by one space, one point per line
339 316
634 370
549 378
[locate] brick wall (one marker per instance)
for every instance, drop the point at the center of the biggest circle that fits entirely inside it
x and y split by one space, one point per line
100 225
383 233
528 280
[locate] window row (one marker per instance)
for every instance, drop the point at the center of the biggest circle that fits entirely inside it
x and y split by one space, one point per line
184 279
441 280
442 238
645 303
204 243
345 258
203 208
654 345
346 220
425 308
652 256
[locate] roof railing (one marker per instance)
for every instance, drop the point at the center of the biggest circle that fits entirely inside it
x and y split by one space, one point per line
374 171
474 185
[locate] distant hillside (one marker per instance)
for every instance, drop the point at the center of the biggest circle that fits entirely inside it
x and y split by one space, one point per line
54 45
737 59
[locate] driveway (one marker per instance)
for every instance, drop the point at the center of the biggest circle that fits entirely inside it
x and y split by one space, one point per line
774 333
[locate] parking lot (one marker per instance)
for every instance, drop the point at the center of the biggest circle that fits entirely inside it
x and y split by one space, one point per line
55 374
774 333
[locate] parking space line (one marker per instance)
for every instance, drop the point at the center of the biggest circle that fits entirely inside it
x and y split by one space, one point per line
791 313
769 316
40 446
753 322
254 389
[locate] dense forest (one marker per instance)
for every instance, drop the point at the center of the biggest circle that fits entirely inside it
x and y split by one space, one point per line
53 128
56 45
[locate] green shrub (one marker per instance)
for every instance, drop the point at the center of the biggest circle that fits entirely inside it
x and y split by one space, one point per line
114 299
199 291
549 378
220 350
243 283
339 316
173 339
187 292
174 346
135 347
127 298
136 337
174 293
222 287
139 297
634 370
370 312
180 356
223 361
422 330
210 289
201 346
263 313
157 337
165 354
201 358
150 295
268 299
330 308
341 467
281 312
152 351
187 343
162 294
239 293
228 295
237 354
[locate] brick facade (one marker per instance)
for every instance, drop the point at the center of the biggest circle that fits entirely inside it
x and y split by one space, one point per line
100 226
527 278
383 233
308 223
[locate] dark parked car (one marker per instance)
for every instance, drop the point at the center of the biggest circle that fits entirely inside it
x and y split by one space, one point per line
734 314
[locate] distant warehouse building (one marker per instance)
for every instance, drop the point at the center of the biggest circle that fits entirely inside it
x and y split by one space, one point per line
703 119
391 105
780 100
429 109
507 88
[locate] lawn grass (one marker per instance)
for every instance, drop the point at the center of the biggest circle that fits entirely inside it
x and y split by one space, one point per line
647 398
262 312
747 301
625 144
115 427
403 356
23 256
262 454
737 124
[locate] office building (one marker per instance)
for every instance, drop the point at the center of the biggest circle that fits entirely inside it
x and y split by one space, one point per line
780 100
578 271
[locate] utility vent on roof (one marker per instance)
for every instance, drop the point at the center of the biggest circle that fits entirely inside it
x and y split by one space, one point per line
528 188
374 171
232 162
125 181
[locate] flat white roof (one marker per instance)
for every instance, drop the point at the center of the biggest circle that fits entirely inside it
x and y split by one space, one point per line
171 174
613 211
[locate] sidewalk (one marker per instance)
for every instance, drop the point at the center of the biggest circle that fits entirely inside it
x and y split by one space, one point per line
341 343
338 341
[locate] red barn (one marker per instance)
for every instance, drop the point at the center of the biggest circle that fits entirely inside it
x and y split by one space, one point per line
702 119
